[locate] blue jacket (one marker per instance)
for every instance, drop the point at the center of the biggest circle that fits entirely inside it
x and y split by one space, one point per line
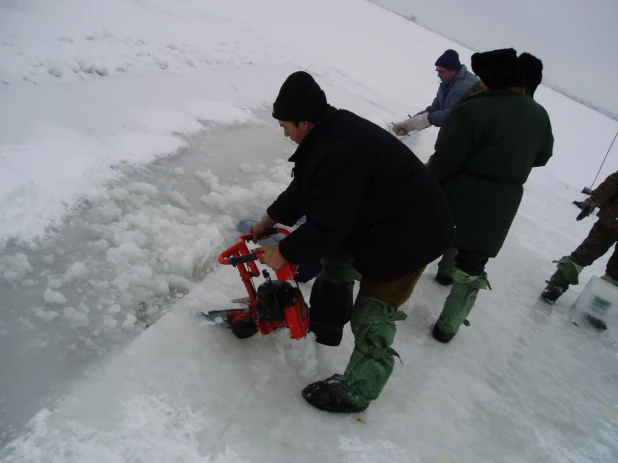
449 95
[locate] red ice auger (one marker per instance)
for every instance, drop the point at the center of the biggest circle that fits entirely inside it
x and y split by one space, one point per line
275 304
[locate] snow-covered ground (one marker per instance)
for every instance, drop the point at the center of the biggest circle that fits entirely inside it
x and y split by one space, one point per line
136 136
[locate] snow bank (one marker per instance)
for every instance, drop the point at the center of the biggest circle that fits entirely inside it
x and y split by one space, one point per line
125 80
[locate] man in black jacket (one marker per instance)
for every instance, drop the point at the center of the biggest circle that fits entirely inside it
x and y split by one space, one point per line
373 211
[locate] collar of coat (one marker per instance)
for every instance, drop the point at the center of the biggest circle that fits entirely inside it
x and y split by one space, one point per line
460 75
501 91
305 146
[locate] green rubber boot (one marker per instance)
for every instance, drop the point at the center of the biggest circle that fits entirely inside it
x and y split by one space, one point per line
566 275
372 361
458 304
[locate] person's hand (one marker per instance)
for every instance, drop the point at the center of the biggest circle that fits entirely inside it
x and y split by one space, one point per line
399 129
260 228
272 257
587 209
413 124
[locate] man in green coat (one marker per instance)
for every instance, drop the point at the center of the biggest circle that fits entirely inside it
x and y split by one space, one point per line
484 154
532 69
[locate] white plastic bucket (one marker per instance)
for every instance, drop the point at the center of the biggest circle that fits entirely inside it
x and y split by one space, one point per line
596 308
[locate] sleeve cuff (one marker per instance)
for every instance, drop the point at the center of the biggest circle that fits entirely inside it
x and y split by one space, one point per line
276 214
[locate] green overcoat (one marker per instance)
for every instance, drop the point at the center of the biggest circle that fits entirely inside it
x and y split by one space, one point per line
483 156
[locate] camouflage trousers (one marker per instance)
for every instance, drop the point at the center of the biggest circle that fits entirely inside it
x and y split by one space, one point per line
602 236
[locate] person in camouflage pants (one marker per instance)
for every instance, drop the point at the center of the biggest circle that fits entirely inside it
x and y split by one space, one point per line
604 235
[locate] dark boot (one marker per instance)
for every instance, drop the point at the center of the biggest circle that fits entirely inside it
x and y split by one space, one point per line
440 335
328 395
331 308
552 292
444 279
327 335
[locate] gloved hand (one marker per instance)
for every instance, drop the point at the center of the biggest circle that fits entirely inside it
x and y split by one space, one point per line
413 124
587 208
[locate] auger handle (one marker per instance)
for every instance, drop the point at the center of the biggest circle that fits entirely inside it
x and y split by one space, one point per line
228 256
234 261
267 233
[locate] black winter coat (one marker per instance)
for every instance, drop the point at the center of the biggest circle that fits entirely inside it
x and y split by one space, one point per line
365 194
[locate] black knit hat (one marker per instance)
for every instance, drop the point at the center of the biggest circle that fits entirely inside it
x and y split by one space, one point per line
300 99
532 67
449 60
498 68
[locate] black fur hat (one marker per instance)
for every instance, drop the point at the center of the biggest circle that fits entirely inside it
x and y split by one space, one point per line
498 68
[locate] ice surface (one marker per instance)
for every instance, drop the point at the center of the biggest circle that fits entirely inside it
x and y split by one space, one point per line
521 377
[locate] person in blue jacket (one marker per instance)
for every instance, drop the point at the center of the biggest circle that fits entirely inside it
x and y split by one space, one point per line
455 81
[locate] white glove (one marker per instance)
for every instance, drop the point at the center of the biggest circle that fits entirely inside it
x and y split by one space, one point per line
413 124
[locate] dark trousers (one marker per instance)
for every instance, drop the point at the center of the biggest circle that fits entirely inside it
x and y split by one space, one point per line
332 297
470 262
